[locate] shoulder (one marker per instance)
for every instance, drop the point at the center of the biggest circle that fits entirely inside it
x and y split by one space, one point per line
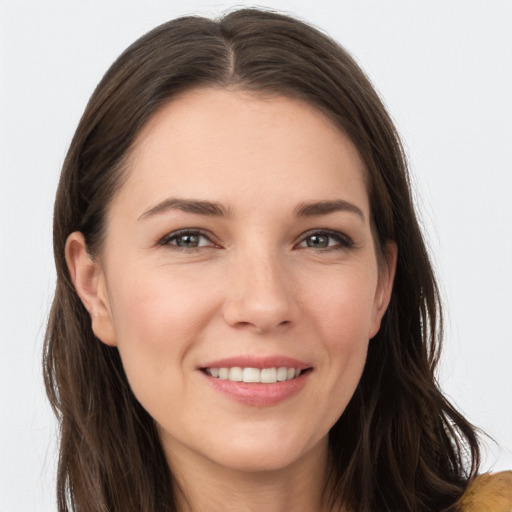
488 493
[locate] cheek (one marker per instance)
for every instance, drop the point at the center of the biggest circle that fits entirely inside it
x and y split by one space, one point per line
343 313
157 306
342 305
158 319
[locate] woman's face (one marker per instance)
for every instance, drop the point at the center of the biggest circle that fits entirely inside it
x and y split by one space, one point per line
240 247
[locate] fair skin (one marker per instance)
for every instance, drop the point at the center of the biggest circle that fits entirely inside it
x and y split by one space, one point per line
241 238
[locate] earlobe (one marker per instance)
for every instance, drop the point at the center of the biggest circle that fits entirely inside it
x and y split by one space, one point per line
89 281
384 287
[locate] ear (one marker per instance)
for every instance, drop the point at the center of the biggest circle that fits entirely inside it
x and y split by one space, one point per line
384 286
89 281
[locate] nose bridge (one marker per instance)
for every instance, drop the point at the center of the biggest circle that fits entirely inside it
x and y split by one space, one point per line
259 291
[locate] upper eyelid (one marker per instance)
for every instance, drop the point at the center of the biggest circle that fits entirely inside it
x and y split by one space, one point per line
323 231
180 232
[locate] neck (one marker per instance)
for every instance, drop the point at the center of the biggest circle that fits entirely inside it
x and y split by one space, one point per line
201 484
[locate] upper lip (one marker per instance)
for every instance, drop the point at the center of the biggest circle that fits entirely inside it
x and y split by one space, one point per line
247 361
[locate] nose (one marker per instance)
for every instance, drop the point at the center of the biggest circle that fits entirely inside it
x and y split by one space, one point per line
259 295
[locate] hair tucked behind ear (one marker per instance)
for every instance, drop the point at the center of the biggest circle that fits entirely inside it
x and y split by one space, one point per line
399 445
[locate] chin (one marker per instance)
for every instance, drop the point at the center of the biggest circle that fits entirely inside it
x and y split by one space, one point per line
266 453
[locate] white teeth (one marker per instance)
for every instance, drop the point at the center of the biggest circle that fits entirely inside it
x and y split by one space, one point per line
251 375
264 376
268 375
235 374
282 373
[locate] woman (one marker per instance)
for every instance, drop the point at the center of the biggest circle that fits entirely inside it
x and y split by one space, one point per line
246 317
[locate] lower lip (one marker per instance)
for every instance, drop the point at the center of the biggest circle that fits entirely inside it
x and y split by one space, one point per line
256 394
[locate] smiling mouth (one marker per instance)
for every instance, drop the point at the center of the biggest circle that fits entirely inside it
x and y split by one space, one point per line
255 375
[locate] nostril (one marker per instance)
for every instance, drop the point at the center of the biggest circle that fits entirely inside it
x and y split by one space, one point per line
242 325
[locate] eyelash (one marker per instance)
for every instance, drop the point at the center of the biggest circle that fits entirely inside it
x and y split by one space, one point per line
342 241
175 235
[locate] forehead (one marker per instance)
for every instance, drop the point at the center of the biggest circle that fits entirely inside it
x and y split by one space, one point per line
234 146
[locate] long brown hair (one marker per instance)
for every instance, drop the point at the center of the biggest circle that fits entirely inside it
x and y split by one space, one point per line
399 445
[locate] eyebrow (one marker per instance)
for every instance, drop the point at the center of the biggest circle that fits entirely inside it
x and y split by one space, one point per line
325 207
187 205
214 209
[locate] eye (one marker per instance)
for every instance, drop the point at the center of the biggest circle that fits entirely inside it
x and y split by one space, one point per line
326 239
186 239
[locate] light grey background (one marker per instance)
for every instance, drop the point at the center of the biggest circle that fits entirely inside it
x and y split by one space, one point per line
443 68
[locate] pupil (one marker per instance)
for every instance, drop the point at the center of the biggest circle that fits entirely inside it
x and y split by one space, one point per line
188 241
318 241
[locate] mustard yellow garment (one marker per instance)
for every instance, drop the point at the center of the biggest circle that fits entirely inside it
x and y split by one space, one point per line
488 493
